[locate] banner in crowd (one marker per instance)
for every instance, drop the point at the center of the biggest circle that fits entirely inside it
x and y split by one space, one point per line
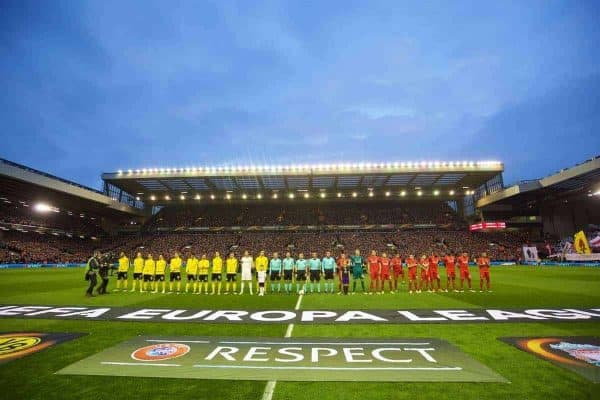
15 345
334 317
581 244
290 359
38 265
310 228
580 354
530 253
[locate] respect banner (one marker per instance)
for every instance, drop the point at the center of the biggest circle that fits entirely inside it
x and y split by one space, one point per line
290 359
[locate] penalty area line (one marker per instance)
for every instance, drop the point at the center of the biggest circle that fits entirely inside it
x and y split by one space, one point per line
270 387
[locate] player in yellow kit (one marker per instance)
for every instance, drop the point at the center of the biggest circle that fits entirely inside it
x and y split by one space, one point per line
159 273
175 272
138 267
191 269
231 265
203 267
148 271
217 270
263 262
122 272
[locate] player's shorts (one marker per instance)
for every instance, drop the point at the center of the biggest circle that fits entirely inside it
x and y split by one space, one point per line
122 275
451 273
203 278
434 274
300 275
175 276
315 276
484 275
287 274
159 278
148 278
385 276
137 276
216 277
398 272
328 274
191 277
412 275
465 274
275 276
424 276
231 277
356 274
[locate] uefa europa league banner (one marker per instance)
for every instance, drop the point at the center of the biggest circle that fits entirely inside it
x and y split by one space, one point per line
291 359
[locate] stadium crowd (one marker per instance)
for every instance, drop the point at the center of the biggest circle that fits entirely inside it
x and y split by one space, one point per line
426 212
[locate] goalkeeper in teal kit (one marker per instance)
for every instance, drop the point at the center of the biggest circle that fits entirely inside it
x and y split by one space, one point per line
357 263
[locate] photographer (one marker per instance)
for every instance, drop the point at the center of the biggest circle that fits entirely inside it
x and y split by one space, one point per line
105 263
93 264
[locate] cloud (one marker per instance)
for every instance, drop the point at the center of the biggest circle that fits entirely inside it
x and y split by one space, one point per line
377 112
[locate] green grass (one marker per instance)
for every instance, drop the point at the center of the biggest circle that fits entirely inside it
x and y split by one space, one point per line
33 377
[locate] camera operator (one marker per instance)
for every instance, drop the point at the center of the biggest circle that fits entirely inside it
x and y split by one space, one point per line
105 262
93 265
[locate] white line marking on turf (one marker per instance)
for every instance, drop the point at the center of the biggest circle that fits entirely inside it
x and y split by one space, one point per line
332 368
177 341
270 387
139 364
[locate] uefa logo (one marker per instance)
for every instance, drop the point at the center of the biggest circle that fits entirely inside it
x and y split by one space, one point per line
160 352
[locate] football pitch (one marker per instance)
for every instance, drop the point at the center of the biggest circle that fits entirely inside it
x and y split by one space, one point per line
33 376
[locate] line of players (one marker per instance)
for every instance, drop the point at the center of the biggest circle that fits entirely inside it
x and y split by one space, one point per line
306 274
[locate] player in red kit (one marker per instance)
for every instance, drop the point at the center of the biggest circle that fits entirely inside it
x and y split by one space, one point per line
463 265
424 266
450 264
411 264
374 271
342 262
397 269
483 263
386 266
434 273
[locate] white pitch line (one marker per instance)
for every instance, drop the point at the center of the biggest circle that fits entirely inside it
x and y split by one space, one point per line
270 387
139 364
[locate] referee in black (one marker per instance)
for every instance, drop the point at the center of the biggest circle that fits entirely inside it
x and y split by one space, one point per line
93 265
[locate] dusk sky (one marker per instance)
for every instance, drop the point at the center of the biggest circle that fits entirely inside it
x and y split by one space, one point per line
91 87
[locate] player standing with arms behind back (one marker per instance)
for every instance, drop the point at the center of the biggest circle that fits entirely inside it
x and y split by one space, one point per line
247 265
159 273
483 263
374 272
217 272
386 265
463 265
329 265
138 267
231 265
450 264
122 272
412 266
357 262
288 272
301 267
275 269
397 270
175 272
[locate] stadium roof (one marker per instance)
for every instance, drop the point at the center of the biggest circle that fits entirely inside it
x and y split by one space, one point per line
422 178
581 179
21 182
